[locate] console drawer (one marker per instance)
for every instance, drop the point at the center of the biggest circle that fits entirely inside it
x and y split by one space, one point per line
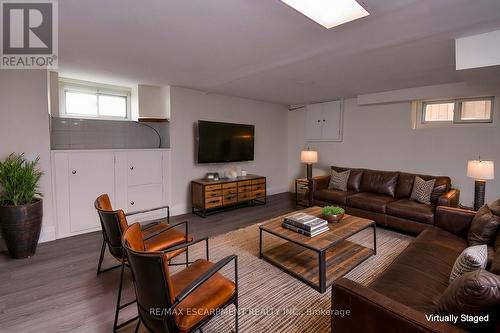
259 181
229 199
212 187
214 193
230 191
258 187
244 182
259 194
246 188
245 196
213 202
229 185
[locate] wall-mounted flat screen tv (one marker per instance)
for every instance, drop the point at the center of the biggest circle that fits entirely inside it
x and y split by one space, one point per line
225 142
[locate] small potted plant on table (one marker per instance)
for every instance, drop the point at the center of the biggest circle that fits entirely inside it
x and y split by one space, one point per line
21 207
333 214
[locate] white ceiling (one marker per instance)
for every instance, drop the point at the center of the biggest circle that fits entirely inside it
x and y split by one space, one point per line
263 49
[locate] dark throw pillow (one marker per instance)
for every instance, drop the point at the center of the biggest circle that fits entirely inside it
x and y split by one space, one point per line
484 227
338 180
475 293
422 190
471 259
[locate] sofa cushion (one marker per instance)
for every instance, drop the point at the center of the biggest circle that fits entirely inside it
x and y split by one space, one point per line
475 293
471 259
338 180
495 207
412 210
370 201
381 182
333 196
354 182
422 190
495 263
405 185
484 227
420 274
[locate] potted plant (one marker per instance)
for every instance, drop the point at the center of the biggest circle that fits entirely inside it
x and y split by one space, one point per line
333 214
21 207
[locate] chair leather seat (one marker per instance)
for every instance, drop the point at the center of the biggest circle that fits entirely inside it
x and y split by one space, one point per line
420 274
164 240
211 295
370 201
331 195
412 210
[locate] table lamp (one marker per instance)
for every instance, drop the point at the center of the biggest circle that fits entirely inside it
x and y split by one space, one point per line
309 157
480 171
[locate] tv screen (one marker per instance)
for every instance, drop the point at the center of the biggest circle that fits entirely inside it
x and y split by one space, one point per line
225 142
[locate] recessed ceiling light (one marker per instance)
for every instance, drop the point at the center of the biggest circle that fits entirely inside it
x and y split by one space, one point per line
329 13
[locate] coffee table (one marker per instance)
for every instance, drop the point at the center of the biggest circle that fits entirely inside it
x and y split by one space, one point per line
317 261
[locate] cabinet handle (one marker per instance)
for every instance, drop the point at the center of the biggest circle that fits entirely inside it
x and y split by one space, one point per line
132 167
324 120
132 203
73 172
319 120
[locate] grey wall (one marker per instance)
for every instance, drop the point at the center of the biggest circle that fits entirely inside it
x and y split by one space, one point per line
270 120
71 133
381 137
24 127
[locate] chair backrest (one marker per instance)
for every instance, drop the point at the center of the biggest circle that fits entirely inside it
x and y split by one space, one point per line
113 224
153 287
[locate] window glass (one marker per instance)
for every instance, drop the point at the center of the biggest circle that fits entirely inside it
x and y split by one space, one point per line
439 111
113 106
78 103
476 110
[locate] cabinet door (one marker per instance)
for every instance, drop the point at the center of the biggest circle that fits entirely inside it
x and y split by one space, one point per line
332 121
314 119
145 197
91 174
144 167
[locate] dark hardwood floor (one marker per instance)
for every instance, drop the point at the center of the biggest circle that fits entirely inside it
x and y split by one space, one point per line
57 290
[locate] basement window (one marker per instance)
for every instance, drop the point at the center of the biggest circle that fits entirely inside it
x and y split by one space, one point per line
455 111
79 99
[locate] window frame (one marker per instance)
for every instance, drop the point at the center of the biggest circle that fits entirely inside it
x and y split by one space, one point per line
84 87
445 101
419 121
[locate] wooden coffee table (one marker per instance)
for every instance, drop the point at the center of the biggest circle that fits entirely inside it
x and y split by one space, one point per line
317 261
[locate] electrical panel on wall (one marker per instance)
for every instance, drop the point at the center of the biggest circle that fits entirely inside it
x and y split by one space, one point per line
324 121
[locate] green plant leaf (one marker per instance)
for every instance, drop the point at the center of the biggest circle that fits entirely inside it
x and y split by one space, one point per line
19 180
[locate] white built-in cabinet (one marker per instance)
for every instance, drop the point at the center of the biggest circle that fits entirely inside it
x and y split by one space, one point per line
324 121
134 179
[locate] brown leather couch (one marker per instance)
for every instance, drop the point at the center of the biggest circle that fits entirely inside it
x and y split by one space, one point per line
410 288
383 196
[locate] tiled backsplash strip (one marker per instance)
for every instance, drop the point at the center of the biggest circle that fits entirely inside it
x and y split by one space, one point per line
71 133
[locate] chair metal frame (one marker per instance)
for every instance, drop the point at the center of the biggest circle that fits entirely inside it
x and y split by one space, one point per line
166 320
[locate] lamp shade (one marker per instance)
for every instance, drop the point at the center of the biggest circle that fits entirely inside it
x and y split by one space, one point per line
309 156
481 170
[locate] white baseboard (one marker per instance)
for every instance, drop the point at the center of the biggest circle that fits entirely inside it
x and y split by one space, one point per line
47 234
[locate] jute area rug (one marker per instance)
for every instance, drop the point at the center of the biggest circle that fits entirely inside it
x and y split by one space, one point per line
270 300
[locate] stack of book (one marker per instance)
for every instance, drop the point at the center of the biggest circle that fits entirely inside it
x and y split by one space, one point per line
305 224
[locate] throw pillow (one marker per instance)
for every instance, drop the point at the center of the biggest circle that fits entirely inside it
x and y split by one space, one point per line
471 259
338 180
475 293
422 190
484 227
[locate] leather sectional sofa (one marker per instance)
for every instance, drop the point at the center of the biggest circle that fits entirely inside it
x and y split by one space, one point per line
383 196
411 287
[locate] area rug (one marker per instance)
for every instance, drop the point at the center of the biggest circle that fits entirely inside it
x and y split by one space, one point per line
273 301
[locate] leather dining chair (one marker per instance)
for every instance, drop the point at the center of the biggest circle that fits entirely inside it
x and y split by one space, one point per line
181 302
156 236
